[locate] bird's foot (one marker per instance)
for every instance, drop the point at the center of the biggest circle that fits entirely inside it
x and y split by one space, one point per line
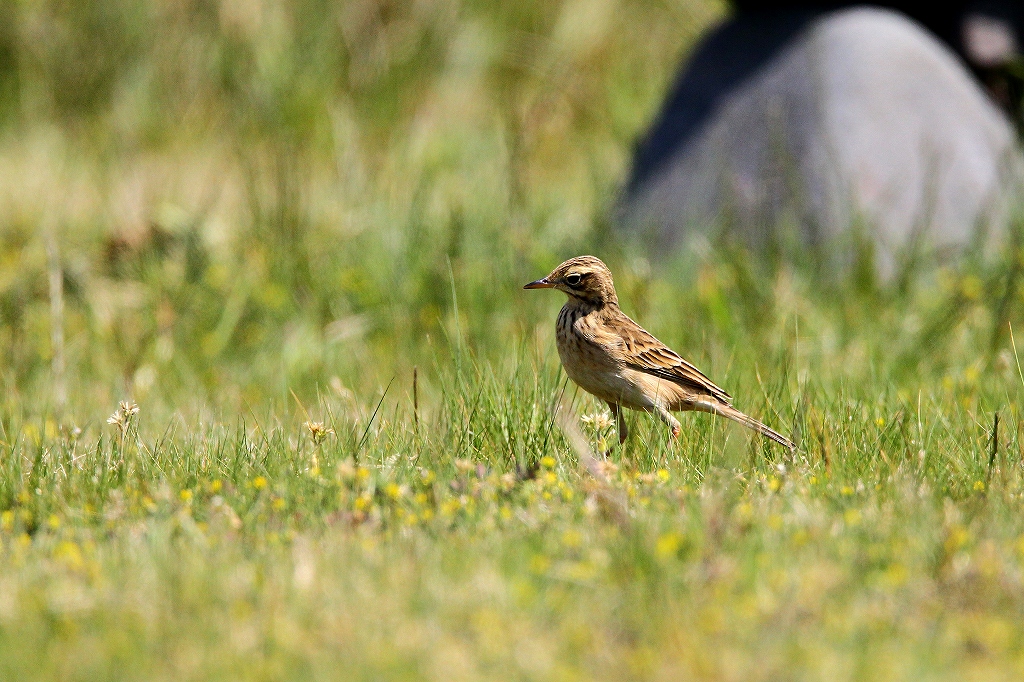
676 430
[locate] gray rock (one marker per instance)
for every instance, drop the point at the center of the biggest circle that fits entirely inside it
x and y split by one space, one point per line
863 119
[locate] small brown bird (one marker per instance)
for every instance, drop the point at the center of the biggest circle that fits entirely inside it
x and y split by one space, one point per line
617 360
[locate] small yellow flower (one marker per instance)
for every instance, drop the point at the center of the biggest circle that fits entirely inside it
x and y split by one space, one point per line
663 475
895 575
539 564
216 485
572 538
547 461
979 485
879 422
278 504
450 506
53 522
957 538
260 482
69 553
185 495
668 544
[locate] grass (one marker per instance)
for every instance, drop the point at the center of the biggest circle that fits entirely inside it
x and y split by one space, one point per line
261 238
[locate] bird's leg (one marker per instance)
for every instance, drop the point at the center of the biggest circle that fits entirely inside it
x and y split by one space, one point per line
667 417
620 422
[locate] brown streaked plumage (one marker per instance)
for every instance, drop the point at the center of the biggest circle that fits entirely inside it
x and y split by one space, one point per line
617 360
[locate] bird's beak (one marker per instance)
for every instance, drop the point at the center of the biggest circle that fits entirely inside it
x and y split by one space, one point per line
540 284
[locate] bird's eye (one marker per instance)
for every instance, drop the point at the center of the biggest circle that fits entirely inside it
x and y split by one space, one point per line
573 279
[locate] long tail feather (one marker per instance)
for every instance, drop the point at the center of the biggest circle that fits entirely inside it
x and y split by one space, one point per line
730 412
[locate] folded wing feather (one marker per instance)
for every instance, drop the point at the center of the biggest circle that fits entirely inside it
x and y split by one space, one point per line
647 354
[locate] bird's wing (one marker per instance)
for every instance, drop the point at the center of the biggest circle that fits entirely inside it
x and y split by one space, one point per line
641 351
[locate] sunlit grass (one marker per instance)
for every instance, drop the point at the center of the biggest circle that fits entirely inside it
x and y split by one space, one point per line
471 544
275 405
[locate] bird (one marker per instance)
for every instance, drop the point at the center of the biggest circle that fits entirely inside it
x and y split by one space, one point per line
612 357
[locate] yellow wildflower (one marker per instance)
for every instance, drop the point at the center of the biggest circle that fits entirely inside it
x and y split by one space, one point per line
668 544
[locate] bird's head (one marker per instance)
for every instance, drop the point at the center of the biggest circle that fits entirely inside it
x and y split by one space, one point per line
584 277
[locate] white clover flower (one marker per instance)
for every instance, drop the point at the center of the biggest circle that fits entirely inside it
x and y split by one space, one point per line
599 420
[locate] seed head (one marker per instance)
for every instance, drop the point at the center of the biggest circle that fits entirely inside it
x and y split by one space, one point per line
124 416
318 431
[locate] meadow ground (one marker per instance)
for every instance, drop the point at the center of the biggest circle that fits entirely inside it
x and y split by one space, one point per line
260 221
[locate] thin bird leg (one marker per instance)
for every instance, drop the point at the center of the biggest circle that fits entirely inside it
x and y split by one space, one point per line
667 417
620 422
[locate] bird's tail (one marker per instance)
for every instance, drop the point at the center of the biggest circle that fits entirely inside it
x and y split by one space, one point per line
730 412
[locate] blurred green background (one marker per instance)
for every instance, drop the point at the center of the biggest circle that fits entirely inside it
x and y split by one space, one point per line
211 205
232 198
